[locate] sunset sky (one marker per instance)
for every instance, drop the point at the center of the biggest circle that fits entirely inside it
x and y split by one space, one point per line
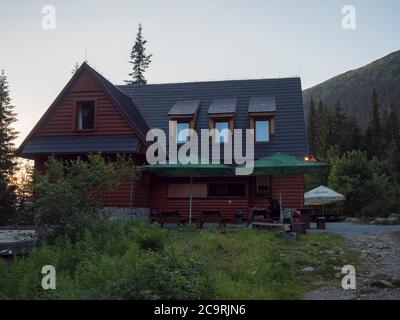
189 40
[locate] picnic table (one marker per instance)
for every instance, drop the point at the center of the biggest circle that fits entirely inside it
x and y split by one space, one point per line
171 217
210 216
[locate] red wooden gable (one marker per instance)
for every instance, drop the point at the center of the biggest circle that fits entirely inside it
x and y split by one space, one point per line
60 119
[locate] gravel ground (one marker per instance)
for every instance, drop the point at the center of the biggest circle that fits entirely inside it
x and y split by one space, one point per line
379 250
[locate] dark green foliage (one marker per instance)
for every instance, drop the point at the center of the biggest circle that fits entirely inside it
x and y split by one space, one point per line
110 264
366 184
374 142
312 125
7 159
69 194
331 131
139 60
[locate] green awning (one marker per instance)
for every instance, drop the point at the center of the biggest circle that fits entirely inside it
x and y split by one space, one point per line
276 164
194 169
284 164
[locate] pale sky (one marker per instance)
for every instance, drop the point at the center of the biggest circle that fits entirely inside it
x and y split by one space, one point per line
190 41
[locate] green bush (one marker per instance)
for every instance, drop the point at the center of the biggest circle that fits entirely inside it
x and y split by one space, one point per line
116 263
367 185
68 196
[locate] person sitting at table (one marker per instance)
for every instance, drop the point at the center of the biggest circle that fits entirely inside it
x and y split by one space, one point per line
275 208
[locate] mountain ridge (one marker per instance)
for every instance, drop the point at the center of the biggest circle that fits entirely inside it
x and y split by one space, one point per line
354 88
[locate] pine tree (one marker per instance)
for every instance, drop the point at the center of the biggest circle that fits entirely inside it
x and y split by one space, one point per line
139 59
7 159
353 135
324 130
392 137
312 124
391 128
374 132
339 120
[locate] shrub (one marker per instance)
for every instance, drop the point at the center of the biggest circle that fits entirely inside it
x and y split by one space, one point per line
68 196
367 185
89 269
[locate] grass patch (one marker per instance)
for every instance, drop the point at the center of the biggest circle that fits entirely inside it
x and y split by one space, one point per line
138 261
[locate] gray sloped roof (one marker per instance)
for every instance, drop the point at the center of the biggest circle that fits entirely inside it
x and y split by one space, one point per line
81 144
128 107
223 106
184 107
156 100
262 104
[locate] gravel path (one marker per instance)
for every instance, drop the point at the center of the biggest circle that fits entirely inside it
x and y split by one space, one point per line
379 250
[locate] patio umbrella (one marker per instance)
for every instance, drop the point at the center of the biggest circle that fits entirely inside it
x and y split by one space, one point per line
321 196
283 164
191 170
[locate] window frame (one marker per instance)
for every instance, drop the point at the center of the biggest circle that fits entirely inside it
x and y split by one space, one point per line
175 120
229 118
257 192
270 117
182 121
75 122
227 196
229 128
267 120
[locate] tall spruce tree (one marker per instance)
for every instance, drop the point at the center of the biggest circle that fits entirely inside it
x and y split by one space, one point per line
374 132
7 158
324 130
339 120
352 137
312 124
392 137
139 60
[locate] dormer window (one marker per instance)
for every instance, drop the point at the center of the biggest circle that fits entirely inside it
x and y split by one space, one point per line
182 117
262 118
182 131
85 115
262 130
222 118
223 131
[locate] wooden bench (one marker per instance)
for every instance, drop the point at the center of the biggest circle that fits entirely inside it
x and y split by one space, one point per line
171 217
265 225
210 216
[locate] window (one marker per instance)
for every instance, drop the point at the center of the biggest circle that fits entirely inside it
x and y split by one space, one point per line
182 132
225 127
183 191
263 125
85 115
262 130
223 135
227 190
263 185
